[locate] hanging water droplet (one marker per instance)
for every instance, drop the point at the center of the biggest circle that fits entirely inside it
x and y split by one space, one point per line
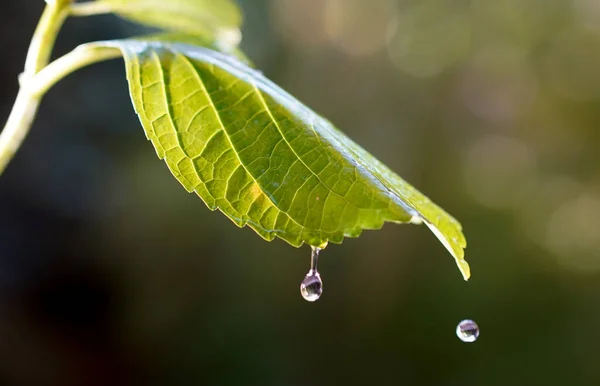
311 287
467 331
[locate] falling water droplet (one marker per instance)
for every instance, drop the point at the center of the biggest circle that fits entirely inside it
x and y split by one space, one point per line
311 287
467 331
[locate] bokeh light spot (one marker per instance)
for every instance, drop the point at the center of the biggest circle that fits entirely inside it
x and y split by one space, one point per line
300 22
571 67
426 38
572 233
498 83
343 16
497 169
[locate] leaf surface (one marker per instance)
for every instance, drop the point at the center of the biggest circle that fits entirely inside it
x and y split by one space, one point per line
251 150
213 19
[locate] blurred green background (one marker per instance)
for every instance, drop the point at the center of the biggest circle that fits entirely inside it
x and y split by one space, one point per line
111 274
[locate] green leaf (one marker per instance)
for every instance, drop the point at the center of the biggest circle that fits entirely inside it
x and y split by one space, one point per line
251 150
220 19
194 40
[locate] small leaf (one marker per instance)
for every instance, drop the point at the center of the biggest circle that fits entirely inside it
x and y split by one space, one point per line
251 150
214 19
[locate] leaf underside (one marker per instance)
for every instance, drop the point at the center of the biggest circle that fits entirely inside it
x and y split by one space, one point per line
261 157
205 18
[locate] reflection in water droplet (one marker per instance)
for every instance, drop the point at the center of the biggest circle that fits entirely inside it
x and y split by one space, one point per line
312 286
467 331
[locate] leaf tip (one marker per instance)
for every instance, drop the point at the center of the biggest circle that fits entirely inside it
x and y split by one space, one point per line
456 249
464 268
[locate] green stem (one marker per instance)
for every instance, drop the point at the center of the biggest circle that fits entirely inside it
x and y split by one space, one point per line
39 76
17 126
89 8
38 55
81 56
31 93
44 38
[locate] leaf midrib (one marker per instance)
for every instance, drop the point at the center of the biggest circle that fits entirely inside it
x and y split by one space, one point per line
232 68
268 110
218 116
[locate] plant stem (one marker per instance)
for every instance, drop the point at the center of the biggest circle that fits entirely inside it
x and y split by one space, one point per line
17 126
38 55
31 93
81 56
44 38
89 8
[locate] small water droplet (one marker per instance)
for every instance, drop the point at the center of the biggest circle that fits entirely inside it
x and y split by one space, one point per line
467 331
311 287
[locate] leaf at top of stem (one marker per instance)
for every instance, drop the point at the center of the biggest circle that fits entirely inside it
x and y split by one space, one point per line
264 159
213 19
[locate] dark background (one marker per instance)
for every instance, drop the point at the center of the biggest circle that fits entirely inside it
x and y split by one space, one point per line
111 274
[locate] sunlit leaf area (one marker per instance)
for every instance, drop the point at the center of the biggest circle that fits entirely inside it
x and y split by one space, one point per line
112 274
251 150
